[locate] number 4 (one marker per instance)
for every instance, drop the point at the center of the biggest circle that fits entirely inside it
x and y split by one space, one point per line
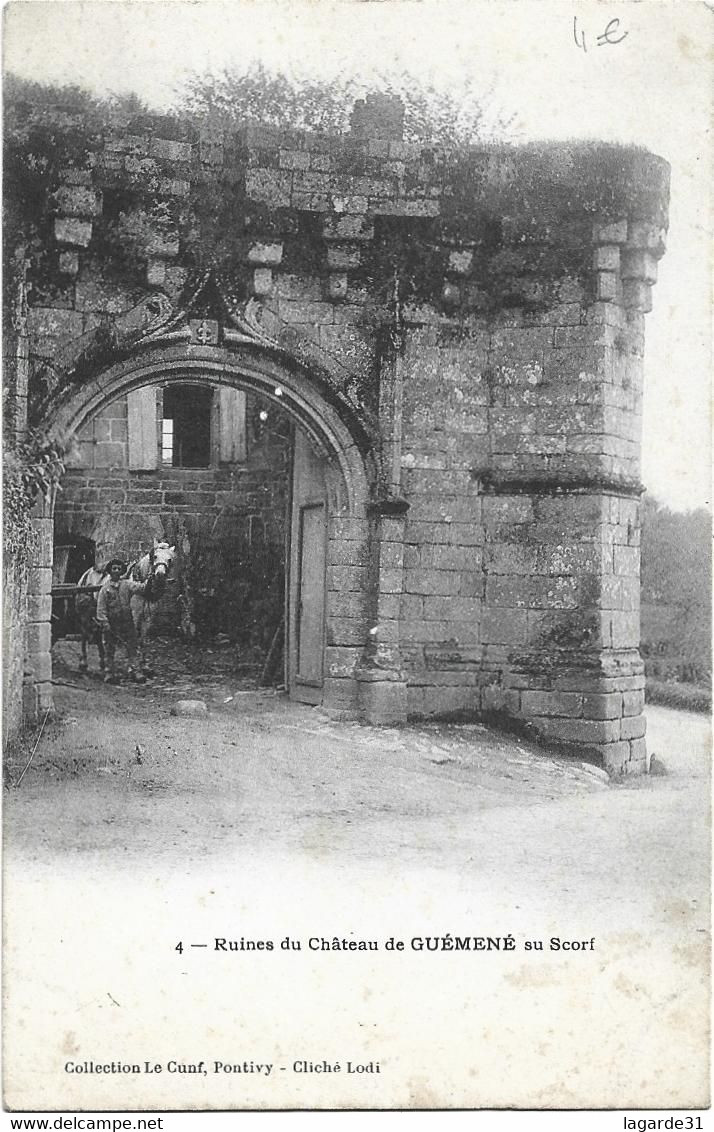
179 947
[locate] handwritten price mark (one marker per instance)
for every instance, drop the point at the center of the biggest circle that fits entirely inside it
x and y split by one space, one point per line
608 38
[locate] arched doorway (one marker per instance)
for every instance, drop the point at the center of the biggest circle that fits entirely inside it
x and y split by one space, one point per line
328 596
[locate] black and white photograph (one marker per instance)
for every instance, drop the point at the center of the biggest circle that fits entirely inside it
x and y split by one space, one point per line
357 559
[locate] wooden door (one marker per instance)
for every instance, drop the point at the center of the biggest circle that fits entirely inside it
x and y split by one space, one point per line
306 584
311 597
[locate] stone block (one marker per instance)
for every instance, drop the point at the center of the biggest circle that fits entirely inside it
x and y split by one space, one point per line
262 281
39 607
493 698
463 610
267 255
337 285
349 553
341 695
448 557
295 159
425 702
637 294
391 556
557 592
610 232
341 257
346 631
639 264
504 511
384 702
71 175
511 558
347 578
78 200
211 147
615 757
347 527
460 262
321 162
39 667
426 631
606 258
38 638
633 727
404 207
69 263
590 732
606 286
431 581
411 607
602 705
348 203
626 561
137 144
269 187
164 245
567 704
170 150
45 697
30 704
342 662
305 313
638 752
389 606
640 234
507 590
391 528
155 272
391 581
108 454
633 703
348 227
303 288
504 626
71 230
44 534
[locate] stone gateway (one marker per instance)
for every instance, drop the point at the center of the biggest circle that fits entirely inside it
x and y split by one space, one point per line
457 340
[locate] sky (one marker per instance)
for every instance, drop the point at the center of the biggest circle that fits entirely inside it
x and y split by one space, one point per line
652 87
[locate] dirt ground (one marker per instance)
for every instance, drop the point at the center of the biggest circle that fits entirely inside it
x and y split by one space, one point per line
273 773
268 816
258 768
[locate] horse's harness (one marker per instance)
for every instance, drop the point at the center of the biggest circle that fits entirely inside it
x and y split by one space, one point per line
152 579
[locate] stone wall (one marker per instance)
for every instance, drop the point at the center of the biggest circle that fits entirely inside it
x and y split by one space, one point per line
476 321
13 647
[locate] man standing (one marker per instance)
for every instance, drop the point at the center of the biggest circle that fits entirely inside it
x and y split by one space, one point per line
116 621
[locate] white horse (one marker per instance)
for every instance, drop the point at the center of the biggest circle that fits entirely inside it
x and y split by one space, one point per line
152 568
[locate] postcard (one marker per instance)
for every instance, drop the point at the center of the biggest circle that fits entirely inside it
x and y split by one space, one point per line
357 558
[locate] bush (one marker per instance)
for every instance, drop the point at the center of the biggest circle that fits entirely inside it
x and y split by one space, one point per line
686 697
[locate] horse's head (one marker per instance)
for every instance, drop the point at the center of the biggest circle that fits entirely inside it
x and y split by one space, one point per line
161 558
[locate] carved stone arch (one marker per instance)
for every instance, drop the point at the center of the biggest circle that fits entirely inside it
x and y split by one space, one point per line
334 429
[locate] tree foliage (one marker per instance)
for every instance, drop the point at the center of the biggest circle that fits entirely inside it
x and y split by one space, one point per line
258 97
676 577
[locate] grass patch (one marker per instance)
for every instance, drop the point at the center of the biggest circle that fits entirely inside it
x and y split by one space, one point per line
686 697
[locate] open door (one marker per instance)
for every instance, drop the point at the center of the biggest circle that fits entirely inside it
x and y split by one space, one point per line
306 587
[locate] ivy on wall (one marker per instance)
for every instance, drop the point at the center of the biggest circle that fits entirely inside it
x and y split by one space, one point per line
32 470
